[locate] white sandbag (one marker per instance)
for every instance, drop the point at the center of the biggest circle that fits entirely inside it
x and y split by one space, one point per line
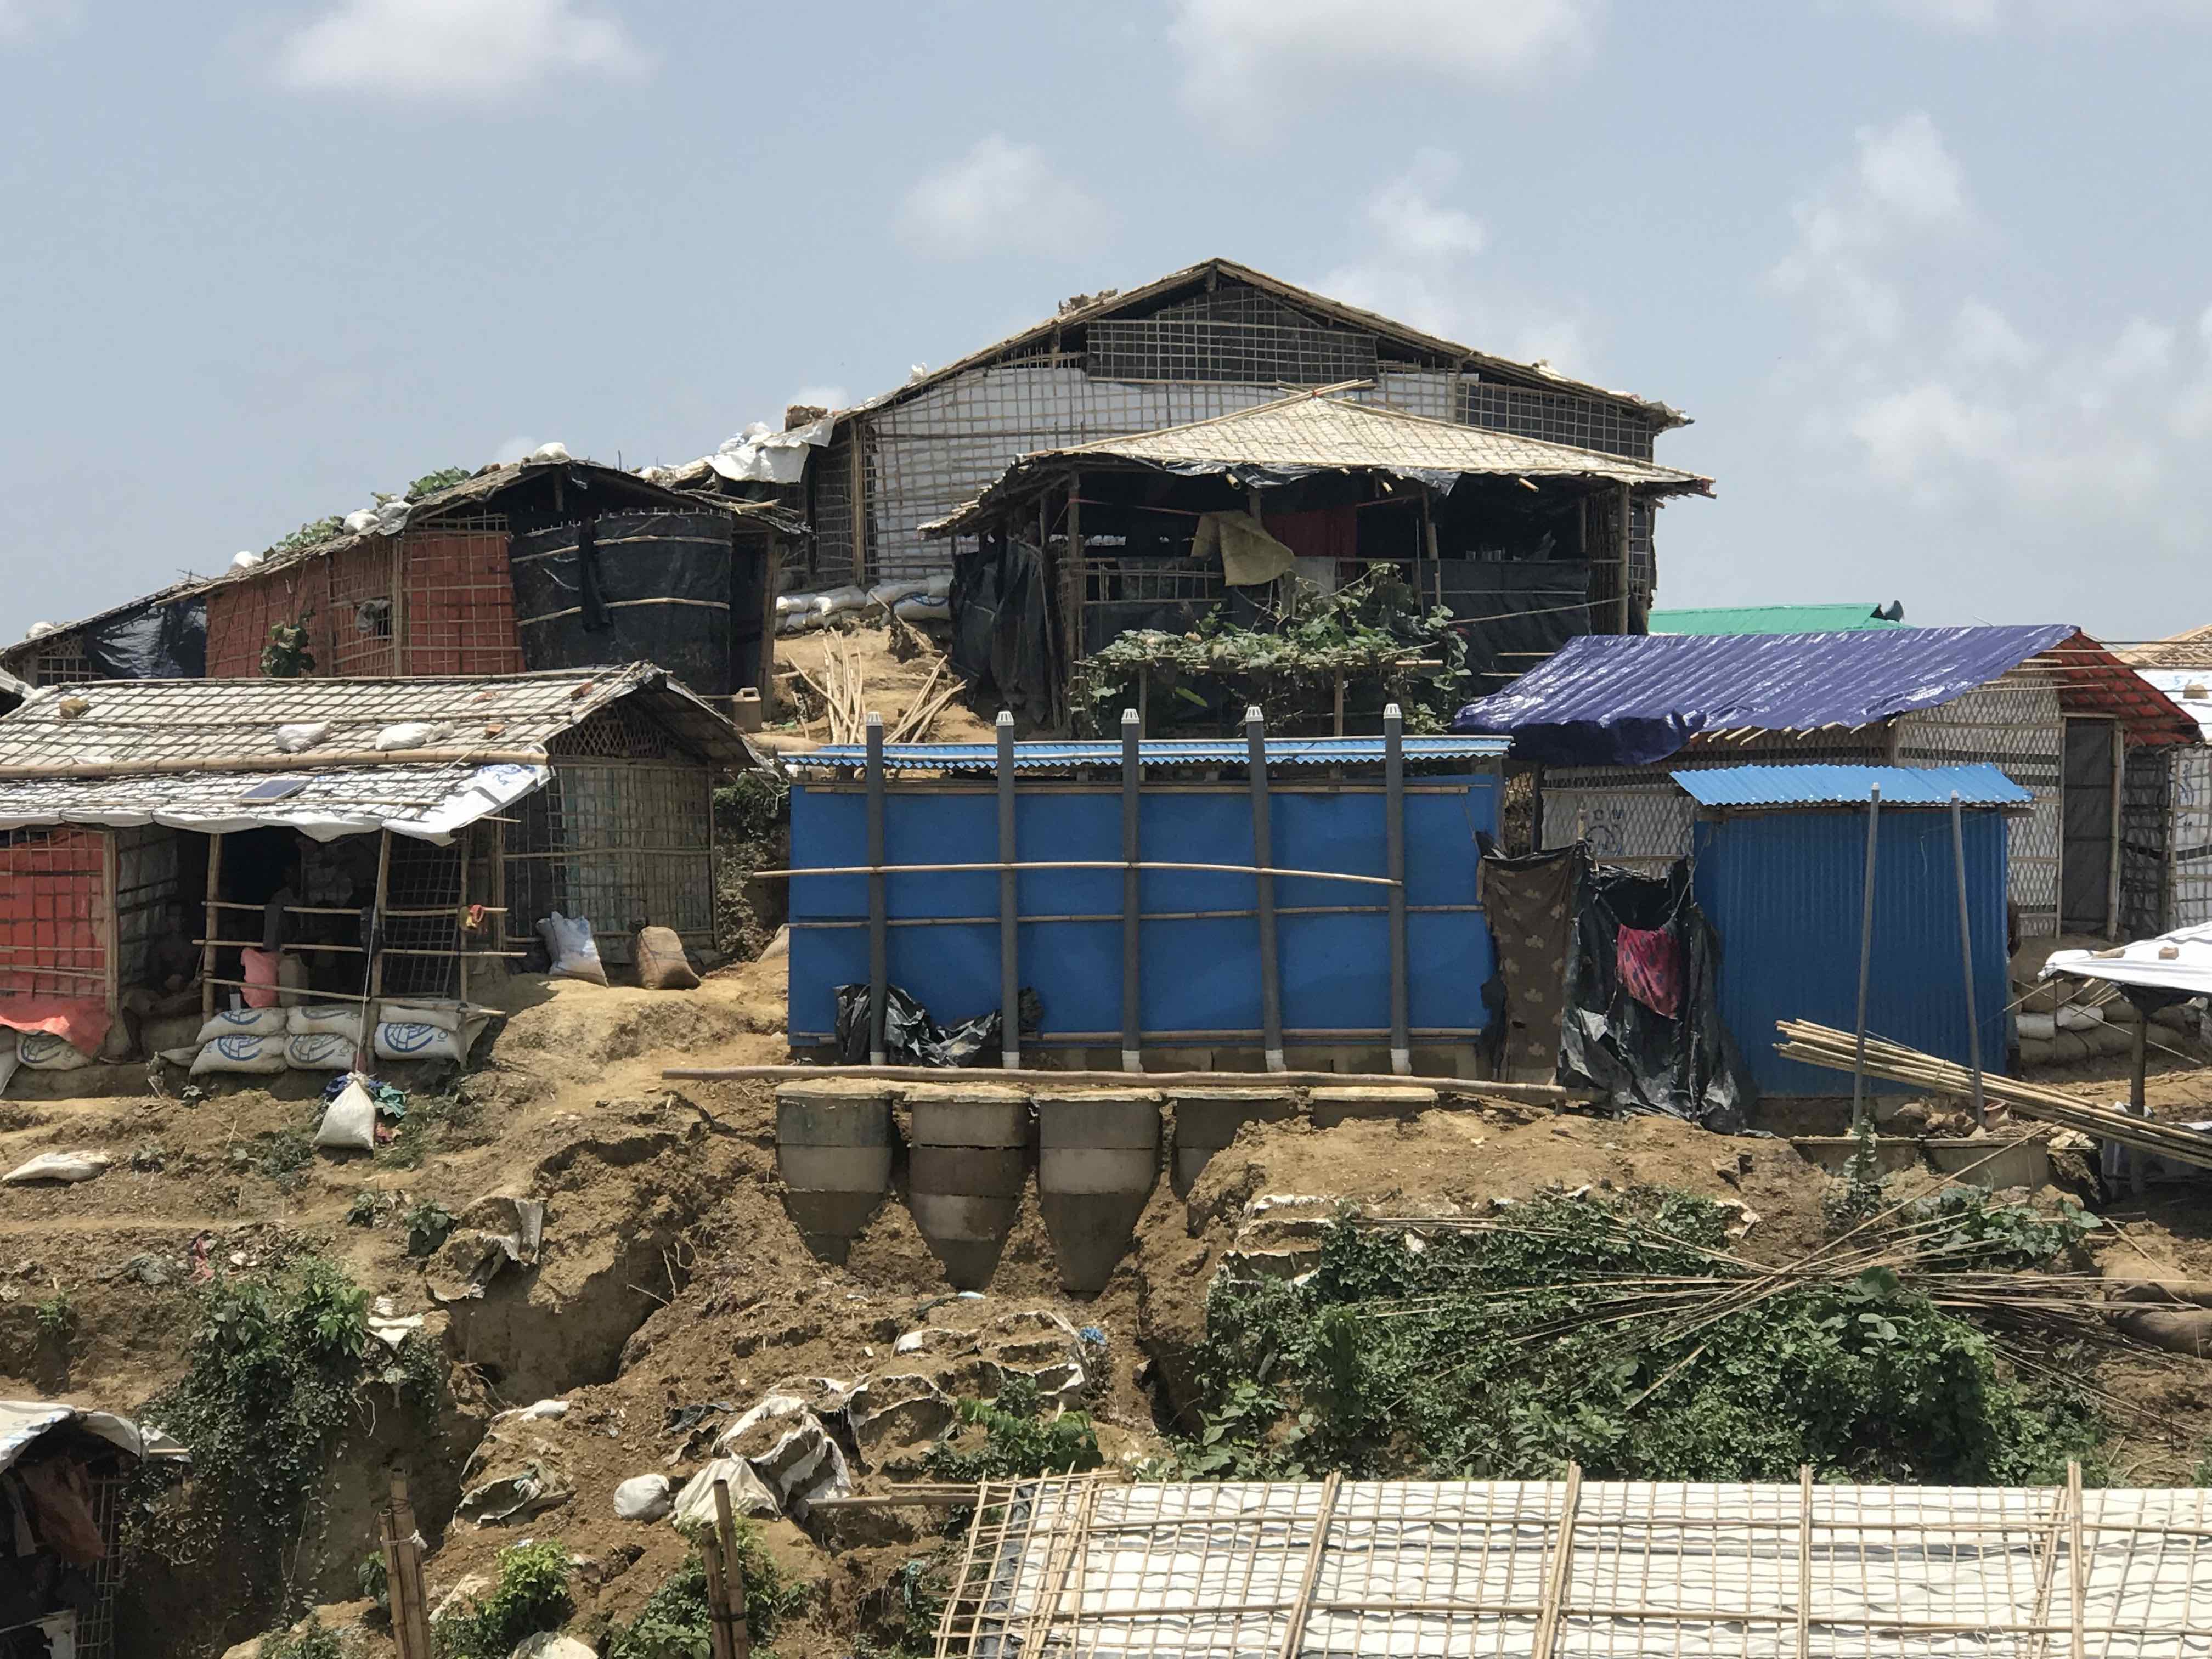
349 1122
409 1040
408 734
645 1498
321 1051
840 599
940 586
2037 1028
555 451
888 594
59 1166
575 954
2078 1017
10 1058
42 1051
693 1510
923 609
248 1055
243 1022
292 739
325 1019
445 1016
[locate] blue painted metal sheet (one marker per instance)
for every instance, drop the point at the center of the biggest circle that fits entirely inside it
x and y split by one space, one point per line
1740 787
1629 699
1155 753
1198 974
1783 891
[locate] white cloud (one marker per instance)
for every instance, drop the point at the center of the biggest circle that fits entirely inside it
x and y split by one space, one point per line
1245 62
999 197
1987 16
441 49
2075 437
515 449
1420 268
19 20
823 397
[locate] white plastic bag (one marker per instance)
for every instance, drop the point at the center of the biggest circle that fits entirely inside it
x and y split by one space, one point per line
249 1054
325 1019
694 1511
445 1016
291 739
921 608
575 954
42 1051
409 734
643 1497
59 1166
243 1022
349 1122
406 1040
320 1051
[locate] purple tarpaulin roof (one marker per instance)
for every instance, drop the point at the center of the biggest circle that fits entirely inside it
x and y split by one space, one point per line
1628 700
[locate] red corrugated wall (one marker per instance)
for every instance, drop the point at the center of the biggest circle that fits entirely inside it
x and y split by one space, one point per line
53 913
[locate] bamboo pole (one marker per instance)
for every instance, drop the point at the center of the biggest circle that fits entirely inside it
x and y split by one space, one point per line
1559 1579
1294 1627
737 1635
211 905
1545 1094
376 923
301 762
1073 864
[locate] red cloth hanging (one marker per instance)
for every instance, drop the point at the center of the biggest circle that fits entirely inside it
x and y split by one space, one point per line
1651 969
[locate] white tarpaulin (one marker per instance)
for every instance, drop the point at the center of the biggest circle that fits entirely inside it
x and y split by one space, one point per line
2179 961
762 455
429 802
23 1421
1420 1570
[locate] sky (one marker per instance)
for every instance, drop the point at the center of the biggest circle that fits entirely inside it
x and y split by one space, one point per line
1932 277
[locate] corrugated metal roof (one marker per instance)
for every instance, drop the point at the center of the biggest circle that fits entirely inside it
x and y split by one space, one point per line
1631 700
1849 786
1771 619
1155 753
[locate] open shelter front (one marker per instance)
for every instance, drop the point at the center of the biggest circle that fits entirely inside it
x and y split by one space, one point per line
1525 542
175 847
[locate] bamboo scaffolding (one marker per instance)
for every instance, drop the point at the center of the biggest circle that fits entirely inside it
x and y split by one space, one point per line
1537 1093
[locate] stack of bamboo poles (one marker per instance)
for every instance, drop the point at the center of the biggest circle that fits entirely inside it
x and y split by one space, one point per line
1821 1045
843 690
929 703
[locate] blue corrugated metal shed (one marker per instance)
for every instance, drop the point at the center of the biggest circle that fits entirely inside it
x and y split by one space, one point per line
1154 752
1783 891
1740 786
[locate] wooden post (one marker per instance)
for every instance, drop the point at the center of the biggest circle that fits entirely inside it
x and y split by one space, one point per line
1131 912
376 918
461 921
208 930
879 922
1271 970
1393 833
111 932
718 1614
1620 542
402 1563
859 485
1079 579
1859 1103
734 1575
2119 787
1338 702
1010 915
1804 1561
399 606
771 572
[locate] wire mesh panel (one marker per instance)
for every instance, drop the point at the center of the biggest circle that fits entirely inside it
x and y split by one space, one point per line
459 607
2014 724
2145 815
2188 838
147 881
619 843
52 913
1559 417
1164 348
361 611
1629 817
424 877
60 661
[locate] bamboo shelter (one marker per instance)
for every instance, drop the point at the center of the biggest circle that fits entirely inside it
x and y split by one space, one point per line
1423 1570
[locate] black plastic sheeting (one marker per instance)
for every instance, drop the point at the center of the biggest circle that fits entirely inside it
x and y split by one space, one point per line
1519 610
160 642
1003 641
912 1039
1685 1065
578 588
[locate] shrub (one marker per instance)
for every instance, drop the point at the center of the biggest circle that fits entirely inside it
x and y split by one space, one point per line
530 1596
673 1622
1018 1439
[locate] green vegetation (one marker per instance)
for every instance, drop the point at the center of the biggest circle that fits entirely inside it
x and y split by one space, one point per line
673 1624
287 656
310 534
1018 1439
532 1595
57 1317
433 1123
278 1154
444 478
1624 1337
367 1208
1374 632
427 1224
313 1641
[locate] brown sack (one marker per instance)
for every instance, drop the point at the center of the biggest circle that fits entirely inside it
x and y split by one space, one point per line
661 963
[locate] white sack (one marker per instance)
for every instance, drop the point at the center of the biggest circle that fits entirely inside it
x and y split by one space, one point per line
408 1040
42 1051
445 1016
291 739
59 1166
324 1019
645 1497
409 734
243 1022
694 1511
240 1053
349 1122
575 954
320 1051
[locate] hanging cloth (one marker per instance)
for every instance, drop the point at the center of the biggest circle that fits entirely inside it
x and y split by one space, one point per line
1649 961
1250 558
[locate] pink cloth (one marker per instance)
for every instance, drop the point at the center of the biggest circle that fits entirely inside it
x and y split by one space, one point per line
81 1022
260 977
1651 968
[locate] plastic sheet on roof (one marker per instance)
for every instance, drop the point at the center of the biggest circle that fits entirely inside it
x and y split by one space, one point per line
22 1422
2179 961
1629 699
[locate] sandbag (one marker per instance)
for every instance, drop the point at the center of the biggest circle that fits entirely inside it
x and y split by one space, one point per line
2036 1028
349 1122
2037 1051
645 1498
693 1510
320 1051
445 1016
42 1051
2177 1330
59 1166
413 1040
242 1021
575 954
661 963
325 1019
240 1053
10 1058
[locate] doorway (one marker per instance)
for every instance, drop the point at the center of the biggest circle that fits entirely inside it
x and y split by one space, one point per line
2085 805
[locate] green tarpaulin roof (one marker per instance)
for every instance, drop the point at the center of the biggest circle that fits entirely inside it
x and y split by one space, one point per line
1773 619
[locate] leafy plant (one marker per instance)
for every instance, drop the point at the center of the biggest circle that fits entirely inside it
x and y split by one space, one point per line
1018 1439
427 1224
532 1594
278 1154
673 1624
373 1579
752 807
288 656
310 534
431 483
367 1209
314 1641
432 1122
57 1317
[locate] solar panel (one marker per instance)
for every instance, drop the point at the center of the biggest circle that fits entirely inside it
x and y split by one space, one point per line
273 789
